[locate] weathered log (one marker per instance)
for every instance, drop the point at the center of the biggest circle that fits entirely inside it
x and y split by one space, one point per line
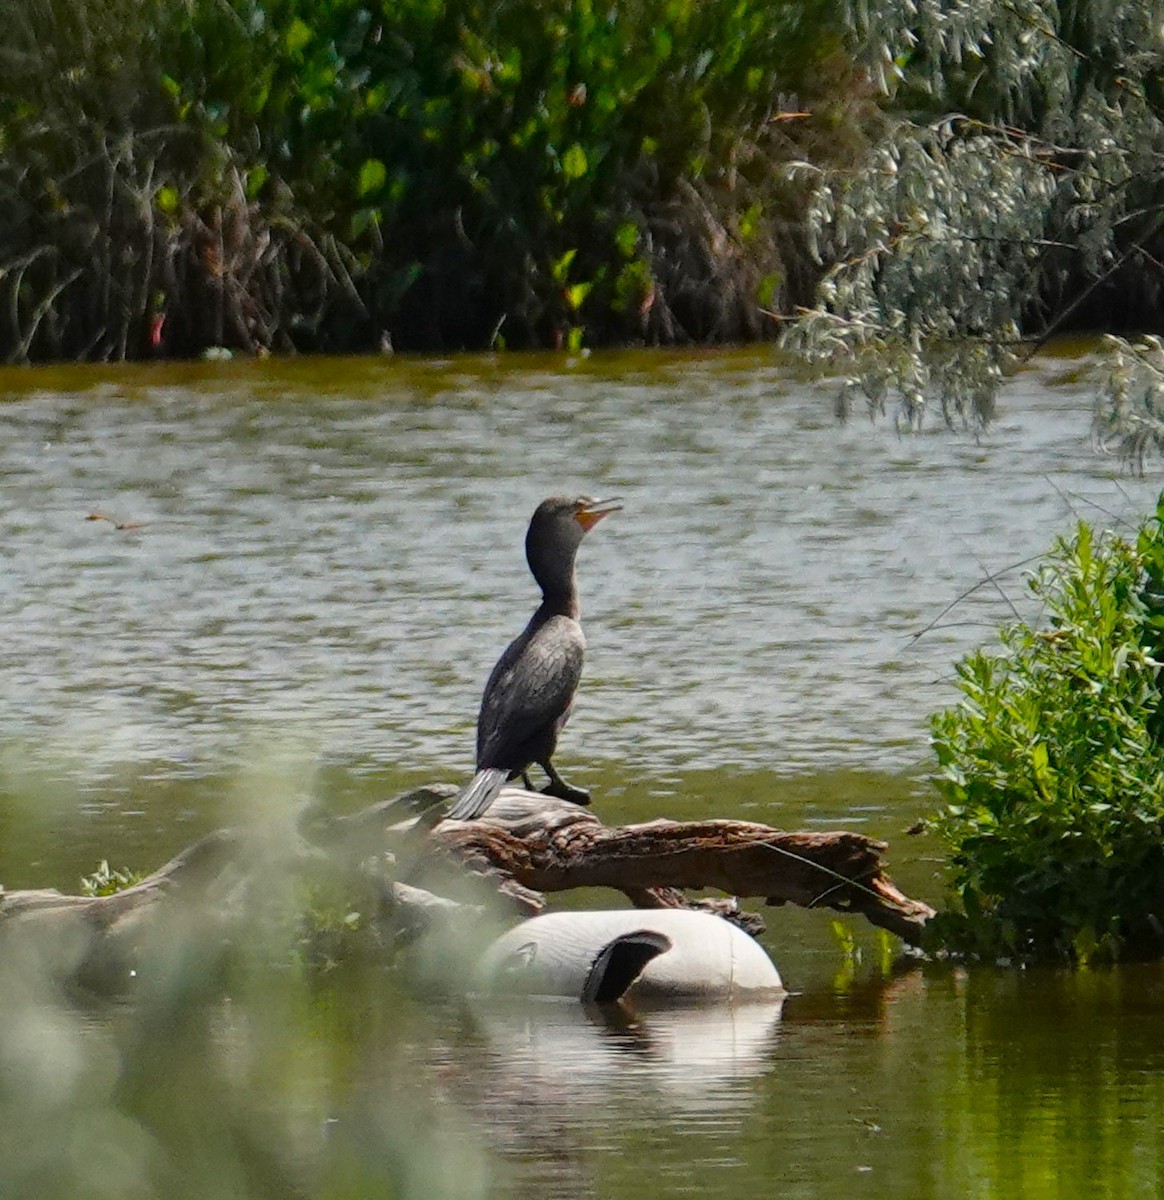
530 844
95 940
198 862
550 846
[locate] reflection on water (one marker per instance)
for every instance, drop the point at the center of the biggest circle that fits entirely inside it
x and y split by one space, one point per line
938 1084
587 1055
550 1076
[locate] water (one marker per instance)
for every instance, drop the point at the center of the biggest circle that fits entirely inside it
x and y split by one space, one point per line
325 561
335 549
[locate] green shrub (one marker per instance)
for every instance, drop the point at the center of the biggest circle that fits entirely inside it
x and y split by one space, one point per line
1052 766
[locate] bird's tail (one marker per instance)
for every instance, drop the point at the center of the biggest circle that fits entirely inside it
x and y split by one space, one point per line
478 794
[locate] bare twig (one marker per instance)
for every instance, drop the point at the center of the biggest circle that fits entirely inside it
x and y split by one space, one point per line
985 582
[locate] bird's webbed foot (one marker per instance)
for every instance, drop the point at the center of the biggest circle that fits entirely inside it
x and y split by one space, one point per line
562 790
565 791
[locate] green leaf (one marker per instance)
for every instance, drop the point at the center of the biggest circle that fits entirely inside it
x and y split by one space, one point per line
561 267
574 162
363 219
769 286
299 34
372 177
632 286
256 178
626 238
576 294
1043 764
748 222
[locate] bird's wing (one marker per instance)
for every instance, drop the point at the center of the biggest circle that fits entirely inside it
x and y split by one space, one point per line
530 689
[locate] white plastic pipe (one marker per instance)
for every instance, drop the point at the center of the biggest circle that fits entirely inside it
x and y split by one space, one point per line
639 954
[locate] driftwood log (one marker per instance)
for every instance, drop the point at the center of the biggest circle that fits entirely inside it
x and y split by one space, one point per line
192 871
528 844
545 845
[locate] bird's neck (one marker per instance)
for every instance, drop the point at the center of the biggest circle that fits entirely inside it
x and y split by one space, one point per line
552 565
560 598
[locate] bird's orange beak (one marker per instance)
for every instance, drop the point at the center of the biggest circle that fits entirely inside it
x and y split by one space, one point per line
590 512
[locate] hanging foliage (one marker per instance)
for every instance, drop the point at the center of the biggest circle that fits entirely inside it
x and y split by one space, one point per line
1019 192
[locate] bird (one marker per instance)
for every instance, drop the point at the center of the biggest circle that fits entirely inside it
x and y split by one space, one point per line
530 691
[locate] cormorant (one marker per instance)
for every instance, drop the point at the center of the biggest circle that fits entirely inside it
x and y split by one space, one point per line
530 692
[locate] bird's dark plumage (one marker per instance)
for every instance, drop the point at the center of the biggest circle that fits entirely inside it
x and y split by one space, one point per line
531 690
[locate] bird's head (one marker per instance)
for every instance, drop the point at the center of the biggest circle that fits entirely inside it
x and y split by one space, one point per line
568 518
556 530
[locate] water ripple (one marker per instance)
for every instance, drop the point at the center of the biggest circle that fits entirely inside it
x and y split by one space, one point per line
334 550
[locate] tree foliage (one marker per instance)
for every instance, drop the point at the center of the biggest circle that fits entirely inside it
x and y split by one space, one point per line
1020 188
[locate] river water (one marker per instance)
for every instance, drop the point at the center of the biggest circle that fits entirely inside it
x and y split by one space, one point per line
320 563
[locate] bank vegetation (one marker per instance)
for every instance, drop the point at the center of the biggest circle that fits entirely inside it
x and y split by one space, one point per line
346 175
932 191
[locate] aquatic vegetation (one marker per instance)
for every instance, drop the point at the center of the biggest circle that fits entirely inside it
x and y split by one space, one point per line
215 1051
1051 768
107 880
933 194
